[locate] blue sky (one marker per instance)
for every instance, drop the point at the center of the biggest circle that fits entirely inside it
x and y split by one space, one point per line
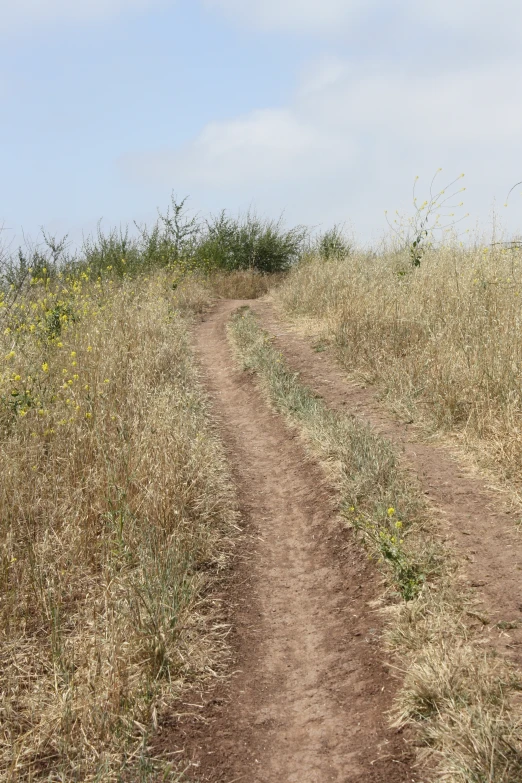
326 109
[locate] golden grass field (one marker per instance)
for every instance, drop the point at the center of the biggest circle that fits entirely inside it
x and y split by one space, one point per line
441 342
117 515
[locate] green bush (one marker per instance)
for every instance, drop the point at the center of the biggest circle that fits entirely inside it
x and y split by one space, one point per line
333 243
250 242
114 252
177 240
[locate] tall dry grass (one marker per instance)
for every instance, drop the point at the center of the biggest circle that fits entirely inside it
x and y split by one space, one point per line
242 284
115 518
442 342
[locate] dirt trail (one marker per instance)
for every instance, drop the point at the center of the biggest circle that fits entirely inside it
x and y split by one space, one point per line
309 700
483 534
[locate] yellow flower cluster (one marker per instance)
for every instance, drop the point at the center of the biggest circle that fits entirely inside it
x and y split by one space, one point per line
49 363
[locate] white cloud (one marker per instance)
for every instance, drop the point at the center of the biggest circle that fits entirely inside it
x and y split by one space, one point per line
266 146
337 111
469 105
501 15
352 141
499 19
25 14
484 16
292 15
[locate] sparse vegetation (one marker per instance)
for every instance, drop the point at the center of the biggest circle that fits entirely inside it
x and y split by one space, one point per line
417 232
456 694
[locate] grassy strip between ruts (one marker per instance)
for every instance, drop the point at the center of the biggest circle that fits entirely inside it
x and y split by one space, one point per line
116 515
455 691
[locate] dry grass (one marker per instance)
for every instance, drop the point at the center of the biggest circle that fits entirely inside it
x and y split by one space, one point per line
456 693
443 343
242 284
116 516
195 292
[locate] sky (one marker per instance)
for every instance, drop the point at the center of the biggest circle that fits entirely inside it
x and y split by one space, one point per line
324 110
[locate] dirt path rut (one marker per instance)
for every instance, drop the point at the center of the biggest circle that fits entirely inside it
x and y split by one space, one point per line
308 703
483 534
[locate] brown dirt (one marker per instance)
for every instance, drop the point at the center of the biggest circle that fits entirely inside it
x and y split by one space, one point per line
473 518
308 700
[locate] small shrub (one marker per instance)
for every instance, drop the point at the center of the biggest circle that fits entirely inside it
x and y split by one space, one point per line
230 243
415 233
333 244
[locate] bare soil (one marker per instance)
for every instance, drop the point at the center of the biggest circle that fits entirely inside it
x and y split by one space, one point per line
309 697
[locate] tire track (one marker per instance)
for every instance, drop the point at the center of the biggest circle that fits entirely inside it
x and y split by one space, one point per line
481 531
308 704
